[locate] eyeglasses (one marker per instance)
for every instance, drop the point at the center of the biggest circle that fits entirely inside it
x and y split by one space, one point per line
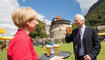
75 20
32 19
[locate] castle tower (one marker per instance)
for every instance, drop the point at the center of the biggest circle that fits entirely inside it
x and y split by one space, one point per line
58 27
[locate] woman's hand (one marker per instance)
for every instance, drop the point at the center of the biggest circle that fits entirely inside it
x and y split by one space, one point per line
57 58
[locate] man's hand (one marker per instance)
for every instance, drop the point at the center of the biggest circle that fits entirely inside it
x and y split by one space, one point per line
87 57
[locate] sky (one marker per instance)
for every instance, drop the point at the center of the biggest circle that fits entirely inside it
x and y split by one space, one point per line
46 9
50 8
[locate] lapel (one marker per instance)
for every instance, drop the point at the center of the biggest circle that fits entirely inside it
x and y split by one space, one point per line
76 37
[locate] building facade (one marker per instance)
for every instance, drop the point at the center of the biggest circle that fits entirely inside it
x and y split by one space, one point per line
58 27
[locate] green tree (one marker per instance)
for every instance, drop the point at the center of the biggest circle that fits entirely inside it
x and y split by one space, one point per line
39 31
73 26
96 14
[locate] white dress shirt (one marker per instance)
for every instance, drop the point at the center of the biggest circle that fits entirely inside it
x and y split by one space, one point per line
82 34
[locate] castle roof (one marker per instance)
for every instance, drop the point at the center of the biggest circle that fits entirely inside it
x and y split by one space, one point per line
59 20
59 17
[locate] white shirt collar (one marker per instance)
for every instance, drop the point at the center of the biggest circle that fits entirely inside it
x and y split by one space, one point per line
83 28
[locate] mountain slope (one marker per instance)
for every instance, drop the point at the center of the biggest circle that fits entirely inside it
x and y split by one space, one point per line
96 14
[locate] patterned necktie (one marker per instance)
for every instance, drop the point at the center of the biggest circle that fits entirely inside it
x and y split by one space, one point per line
79 42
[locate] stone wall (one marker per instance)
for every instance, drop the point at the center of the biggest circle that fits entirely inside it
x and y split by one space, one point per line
59 30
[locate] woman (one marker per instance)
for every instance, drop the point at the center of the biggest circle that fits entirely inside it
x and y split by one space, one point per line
21 46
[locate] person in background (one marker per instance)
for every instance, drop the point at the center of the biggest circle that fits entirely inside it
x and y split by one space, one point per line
21 46
85 40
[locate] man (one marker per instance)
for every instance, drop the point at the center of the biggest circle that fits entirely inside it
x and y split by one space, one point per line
85 40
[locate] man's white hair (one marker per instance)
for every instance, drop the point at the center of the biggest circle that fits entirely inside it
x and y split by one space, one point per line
81 17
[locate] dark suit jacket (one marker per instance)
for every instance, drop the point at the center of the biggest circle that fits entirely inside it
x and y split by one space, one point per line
91 42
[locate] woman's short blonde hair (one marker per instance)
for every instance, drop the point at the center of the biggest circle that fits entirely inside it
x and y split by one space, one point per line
22 15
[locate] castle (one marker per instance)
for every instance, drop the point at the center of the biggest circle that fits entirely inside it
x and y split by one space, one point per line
58 26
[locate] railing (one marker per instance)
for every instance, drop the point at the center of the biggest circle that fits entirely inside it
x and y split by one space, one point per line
101 34
6 37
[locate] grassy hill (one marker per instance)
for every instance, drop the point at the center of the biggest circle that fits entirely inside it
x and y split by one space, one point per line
96 14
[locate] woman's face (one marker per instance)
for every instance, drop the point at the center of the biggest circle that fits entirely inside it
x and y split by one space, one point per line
32 24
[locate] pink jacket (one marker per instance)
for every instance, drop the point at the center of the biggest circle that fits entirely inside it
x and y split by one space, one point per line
21 47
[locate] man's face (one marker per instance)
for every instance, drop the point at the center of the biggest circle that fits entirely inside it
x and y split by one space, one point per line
78 22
